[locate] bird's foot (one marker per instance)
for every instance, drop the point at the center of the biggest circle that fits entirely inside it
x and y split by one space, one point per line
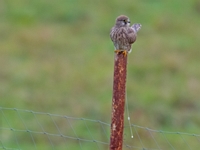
124 52
118 51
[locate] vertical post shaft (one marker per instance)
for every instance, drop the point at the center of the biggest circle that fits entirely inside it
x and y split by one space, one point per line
118 101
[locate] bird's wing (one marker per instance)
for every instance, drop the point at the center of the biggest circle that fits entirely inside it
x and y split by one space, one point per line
112 33
136 27
131 35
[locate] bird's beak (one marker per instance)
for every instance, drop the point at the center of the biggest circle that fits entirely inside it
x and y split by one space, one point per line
128 21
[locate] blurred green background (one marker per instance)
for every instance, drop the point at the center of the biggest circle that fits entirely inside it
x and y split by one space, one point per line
57 57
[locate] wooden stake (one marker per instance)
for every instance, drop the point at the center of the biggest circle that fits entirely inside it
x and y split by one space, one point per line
118 101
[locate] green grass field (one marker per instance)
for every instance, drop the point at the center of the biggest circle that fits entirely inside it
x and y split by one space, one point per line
57 57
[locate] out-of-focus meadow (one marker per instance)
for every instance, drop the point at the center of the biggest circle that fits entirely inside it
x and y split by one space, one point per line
57 57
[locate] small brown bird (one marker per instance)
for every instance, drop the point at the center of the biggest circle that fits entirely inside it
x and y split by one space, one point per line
122 35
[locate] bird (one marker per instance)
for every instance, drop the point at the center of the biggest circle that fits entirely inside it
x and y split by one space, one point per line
123 35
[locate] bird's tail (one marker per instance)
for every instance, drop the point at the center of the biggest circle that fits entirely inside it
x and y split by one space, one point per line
136 27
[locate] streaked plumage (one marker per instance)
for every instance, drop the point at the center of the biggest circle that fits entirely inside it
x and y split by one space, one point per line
122 35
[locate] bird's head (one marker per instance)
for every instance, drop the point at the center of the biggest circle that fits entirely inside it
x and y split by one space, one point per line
122 21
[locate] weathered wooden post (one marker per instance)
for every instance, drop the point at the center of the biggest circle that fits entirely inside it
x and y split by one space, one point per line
118 101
